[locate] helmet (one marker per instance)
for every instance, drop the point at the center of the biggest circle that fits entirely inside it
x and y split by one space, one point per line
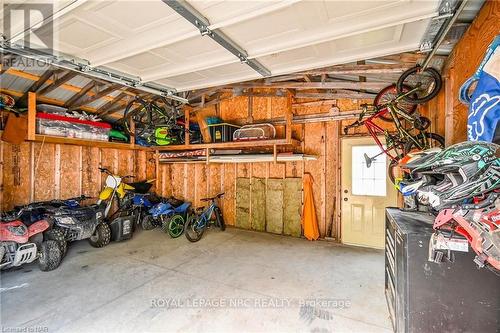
455 175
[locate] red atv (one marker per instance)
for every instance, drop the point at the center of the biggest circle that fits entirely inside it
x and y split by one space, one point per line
21 244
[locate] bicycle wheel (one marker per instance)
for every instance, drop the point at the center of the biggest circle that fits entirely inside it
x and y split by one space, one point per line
426 141
137 110
220 219
428 82
388 94
193 230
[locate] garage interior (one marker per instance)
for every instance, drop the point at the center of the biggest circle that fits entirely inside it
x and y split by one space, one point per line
297 72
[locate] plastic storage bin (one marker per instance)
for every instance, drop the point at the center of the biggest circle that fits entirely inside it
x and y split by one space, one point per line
222 132
57 125
255 132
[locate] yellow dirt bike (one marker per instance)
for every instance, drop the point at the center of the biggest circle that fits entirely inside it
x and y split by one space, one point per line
116 189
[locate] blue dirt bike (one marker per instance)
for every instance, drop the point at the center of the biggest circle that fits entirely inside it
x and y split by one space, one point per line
170 216
203 219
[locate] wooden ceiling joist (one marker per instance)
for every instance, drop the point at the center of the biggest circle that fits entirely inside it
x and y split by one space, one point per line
314 85
36 85
335 95
97 96
360 69
107 108
76 97
57 83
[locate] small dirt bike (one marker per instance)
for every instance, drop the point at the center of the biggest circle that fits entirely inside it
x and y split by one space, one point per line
202 219
115 190
21 244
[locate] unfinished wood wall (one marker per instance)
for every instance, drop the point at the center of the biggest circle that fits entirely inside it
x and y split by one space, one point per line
40 171
463 62
195 181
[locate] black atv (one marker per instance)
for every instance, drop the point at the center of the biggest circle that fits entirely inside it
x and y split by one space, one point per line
69 221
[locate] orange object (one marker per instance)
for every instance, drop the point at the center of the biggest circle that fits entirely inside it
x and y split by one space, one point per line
309 219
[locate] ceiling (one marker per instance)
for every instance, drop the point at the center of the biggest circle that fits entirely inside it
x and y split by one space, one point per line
150 40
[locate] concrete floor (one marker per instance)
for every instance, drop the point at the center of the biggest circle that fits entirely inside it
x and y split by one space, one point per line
230 281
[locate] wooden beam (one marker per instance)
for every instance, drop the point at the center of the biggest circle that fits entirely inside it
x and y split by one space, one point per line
359 69
45 100
315 85
288 118
336 95
76 97
57 83
316 103
31 116
106 108
36 85
186 125
97 96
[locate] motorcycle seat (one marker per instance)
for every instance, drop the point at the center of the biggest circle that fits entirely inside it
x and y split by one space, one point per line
141 187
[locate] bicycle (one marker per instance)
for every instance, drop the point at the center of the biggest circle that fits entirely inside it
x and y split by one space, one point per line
149 117
397 103
202 219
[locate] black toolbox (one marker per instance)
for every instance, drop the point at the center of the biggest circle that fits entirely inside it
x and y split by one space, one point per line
424 296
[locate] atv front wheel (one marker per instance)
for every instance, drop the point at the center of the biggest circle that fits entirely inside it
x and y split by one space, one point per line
147 223
101 236
58 236
174 225
50 256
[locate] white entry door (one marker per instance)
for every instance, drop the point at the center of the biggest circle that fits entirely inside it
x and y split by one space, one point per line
366 192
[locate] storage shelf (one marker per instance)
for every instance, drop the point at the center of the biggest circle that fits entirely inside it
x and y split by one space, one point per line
231 145
83 142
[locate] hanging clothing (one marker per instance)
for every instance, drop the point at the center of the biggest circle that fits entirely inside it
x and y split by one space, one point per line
309 219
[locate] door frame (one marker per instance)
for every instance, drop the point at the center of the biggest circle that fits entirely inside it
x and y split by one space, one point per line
341 185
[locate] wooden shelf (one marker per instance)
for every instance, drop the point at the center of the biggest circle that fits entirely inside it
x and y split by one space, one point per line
231 145
83 142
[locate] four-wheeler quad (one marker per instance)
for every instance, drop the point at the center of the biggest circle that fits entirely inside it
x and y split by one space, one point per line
170 215
73 221
21 244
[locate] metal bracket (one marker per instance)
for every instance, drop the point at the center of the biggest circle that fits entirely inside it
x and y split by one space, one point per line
192 15
83 67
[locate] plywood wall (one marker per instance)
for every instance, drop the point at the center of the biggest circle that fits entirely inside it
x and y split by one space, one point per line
463 62
195 181
39 171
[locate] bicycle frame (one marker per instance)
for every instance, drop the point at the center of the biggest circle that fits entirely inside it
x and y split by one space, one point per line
204 218
396 114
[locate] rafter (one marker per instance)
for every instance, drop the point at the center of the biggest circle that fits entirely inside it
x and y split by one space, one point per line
57 83
107 108
36 85
314 85
359 69
97 96
73 99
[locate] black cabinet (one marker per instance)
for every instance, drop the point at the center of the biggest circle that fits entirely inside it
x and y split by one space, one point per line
427 297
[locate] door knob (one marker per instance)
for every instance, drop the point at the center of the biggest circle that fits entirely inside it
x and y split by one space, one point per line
345 199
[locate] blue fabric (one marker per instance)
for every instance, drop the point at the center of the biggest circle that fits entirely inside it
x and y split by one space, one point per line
484 103
484 110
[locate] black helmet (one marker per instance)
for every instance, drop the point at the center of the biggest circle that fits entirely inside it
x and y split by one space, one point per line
457 174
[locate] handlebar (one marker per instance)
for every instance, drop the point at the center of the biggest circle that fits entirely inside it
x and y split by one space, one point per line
107 171
213 198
